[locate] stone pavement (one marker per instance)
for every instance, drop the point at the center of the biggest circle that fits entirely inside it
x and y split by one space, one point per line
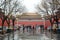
37 35
18 35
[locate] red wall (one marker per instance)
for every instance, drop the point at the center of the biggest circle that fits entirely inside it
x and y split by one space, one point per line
31 23
47 23
5 23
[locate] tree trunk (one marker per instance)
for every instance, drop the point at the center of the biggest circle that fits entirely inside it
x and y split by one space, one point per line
51 23
2 25
13 24
13 27
56 21
8 22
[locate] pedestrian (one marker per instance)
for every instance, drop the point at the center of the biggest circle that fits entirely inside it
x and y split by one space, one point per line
33 30
23 28
46 28
27 28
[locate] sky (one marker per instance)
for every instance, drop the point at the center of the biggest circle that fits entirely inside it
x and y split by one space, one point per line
30 4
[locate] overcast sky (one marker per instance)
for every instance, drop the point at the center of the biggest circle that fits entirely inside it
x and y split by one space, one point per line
30 4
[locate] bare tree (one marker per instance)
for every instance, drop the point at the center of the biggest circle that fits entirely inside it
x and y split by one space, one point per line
46 11
50 10
56 5
9 7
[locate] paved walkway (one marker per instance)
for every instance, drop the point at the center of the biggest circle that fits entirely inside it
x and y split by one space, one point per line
37 35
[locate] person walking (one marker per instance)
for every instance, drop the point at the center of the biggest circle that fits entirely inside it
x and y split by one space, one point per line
23 28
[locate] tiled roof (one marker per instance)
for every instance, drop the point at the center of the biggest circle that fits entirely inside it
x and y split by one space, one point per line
29 16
